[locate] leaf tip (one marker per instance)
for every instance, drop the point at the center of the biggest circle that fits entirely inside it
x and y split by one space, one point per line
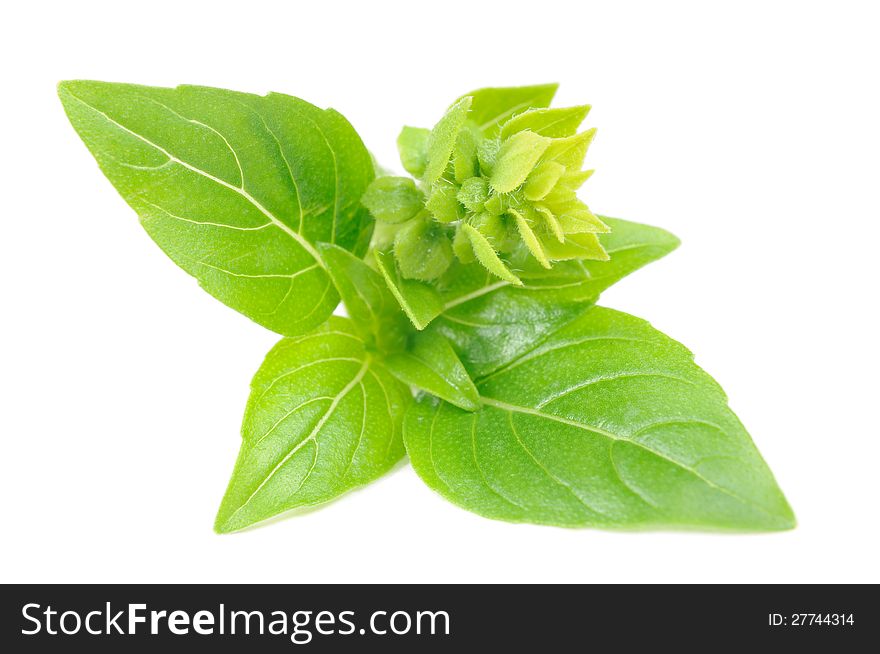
787 519
222 523
229 519
64 89
69 86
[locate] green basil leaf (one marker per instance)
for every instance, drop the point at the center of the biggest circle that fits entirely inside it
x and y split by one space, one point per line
490 322
516 159
235 188
430 363
494 106
374 311
412 144
419 300
393 199
442 140
555 123
607 423
323 417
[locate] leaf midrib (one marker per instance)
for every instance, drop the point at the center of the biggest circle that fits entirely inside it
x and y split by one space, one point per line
312 436
515 408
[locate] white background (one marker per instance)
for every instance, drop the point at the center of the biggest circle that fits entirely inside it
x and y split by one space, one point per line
752 131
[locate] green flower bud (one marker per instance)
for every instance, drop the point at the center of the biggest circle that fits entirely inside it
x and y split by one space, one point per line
500 171
423 249
517 158
473 194
443 203
393 199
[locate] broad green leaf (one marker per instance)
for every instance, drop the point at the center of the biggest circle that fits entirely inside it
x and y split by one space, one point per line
516 159
430 363
442 140
235 188
494 106
490 322
555 123
323 417
412 144
419 300
608 423
374 311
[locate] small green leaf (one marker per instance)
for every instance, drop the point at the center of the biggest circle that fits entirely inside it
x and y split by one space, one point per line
561 195
420 301
552 222
422 249
443 138
235 188
607 423
430 363
487 152
575 179
576 246
492 226
487 256
323 417
464 155
443 203
542 180
496 204
393 199
516 159
555 123
473 193
374 311
494 106
570 151
529 238
412 144
462 247
578 219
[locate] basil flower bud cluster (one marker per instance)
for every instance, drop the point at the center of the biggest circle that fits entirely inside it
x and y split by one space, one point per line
483 194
